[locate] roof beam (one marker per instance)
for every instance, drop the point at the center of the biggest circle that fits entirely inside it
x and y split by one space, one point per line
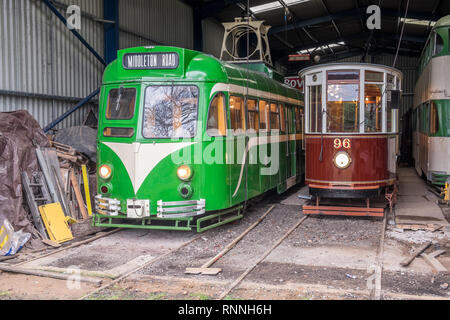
214 7
362 36
355 13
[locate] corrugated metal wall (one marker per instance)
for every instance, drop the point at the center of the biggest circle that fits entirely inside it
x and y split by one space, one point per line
167 22
39 55
212 36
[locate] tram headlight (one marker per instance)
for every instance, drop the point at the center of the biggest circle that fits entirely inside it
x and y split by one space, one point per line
184 172
342 160
105 171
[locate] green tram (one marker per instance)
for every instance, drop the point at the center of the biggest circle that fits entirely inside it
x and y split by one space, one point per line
431 113
186 140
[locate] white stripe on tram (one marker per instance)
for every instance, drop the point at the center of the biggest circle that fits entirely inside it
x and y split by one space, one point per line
139 159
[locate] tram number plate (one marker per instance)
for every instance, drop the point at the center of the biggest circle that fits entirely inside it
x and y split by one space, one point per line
339 143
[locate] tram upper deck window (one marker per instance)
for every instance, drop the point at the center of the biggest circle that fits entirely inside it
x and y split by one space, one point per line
343 101
237 114
121 104
217 117
315 108
373 76
170 112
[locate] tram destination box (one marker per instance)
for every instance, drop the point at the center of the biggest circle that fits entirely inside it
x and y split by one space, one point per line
150 60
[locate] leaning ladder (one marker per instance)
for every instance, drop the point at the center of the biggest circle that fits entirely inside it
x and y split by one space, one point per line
37 194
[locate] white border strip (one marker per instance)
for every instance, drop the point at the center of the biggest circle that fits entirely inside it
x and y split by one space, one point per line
233 88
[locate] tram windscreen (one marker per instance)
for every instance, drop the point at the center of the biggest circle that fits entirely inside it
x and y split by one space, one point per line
343 107
170 112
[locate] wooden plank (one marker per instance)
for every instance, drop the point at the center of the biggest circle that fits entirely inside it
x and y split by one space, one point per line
68 157
204 271
4 258
51 243
47 274
406 262
78 195
437 267
415 227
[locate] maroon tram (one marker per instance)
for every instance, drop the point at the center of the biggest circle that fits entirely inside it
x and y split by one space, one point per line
351 136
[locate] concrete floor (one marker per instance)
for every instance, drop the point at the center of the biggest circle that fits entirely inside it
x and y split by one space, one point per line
415 203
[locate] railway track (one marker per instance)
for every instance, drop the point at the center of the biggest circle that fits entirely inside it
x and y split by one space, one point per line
270 244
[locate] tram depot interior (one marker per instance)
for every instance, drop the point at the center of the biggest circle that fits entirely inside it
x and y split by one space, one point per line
224 150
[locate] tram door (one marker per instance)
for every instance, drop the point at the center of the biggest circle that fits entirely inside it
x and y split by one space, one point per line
236 158
264 148
291 144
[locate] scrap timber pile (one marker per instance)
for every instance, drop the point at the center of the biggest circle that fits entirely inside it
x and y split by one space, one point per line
59 194
45 186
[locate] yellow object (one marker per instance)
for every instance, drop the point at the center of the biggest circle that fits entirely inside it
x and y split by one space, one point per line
447 192
71 220
55 222
86 189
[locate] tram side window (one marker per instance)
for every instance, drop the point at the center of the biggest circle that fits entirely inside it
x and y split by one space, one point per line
217 117
424 122
170 112
390 113
282 118
373 103
263 115
438 44
315 108
253 118
237 114
274 117
434 119
298 120
289 127
121 104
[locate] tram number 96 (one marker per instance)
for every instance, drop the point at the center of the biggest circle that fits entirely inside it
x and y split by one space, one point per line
338 143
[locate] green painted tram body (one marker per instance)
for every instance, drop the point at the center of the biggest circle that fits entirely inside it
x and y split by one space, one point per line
431 113
144 168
